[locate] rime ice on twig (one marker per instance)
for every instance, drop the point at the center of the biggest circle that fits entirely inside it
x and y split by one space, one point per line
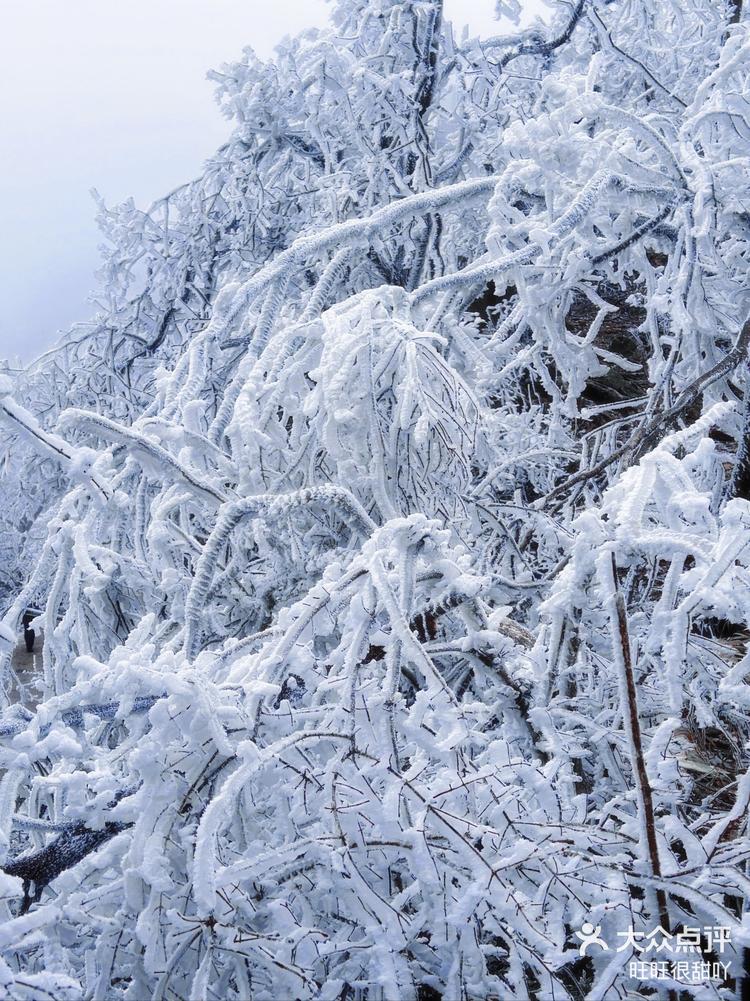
390 537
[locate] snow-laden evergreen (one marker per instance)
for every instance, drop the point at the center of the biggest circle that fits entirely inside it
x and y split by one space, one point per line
390 528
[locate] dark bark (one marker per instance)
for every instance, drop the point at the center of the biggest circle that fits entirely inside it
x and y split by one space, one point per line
739 485
63 852
542 46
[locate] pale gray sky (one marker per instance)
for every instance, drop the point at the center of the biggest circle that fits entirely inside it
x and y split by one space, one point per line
113 94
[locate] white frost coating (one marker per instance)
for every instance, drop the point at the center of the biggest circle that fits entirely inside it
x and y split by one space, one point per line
204 859
399 427
75 461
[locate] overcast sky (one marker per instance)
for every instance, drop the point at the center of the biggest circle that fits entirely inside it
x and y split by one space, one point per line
113 94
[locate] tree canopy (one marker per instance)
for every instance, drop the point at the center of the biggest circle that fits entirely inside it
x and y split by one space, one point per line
390 528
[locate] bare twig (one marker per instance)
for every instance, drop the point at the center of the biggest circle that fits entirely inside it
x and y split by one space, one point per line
623 659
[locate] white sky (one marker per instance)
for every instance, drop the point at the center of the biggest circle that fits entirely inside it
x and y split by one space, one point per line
112 94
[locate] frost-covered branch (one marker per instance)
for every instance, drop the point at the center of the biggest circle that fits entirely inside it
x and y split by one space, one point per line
398 631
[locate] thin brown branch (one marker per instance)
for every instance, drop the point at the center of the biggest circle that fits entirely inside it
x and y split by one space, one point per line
623 655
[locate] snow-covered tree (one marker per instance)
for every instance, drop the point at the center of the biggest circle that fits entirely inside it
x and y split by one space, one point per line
396 573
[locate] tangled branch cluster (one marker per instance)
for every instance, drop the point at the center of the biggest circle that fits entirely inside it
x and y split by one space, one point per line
395 573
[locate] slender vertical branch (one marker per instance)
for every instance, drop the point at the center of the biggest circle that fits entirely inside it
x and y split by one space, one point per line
739 484
624 660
